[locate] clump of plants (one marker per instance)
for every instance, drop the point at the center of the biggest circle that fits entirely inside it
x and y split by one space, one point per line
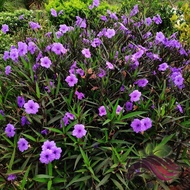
84 108
181 21
68 10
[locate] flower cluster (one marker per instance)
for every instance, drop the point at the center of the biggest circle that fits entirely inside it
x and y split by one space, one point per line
49 152
141 125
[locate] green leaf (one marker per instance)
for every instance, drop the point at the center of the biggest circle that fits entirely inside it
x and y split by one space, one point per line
54 130
59 180
42 178
105 122
133 114
164 141
24 179
162 151
37 90
54 119
117 184
104 180
86 160
76 179
29 137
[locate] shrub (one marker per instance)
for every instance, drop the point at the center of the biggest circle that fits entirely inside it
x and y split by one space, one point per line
181 21
71 9
80 109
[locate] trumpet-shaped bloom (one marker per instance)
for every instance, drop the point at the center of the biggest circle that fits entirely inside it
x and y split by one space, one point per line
102 111
45 62
31 107
135 96
22 144
79 131
71 80
10 130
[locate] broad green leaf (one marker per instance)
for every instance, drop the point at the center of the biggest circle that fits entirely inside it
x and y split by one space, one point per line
24 179
77 179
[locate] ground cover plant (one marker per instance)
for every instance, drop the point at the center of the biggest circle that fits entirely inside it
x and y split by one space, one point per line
94 108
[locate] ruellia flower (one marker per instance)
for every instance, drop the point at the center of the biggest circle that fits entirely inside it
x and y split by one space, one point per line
22 144
50 152
129 106
79 131
71 80
163 67
141 125
45 62
31 107
86 53
53 12
11 177
5 28
58 49
118 109
109 65
20 101
135 96
141 82
10 130
110 33
34 25
8 70
102 111
79 95
24 121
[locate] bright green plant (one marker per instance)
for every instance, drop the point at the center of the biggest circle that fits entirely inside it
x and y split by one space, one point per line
74 8
181 21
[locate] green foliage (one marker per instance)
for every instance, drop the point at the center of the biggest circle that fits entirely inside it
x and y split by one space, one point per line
181 22
74 8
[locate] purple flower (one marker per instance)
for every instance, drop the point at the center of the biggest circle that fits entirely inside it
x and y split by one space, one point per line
47 156
146 123
20 101
104 18
53 12
163 67
109 65
134 11
44 132
129 106
71 80
178 80
14 54
31 107
135 96
148 21
10 130
21 17
34 25
86 53
102 73
6 55
79 131
141 82
5 28
11 177
179 107
136 125
96 42
22 144
58 34
22 48
102 111
80 72
65 120
157 19
80 22
2 113
58 48
48 145
57 152
24 121
96 3
70 115
160 37
119 109
45 62
110 33
32 47
63 28
79 95
8 70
